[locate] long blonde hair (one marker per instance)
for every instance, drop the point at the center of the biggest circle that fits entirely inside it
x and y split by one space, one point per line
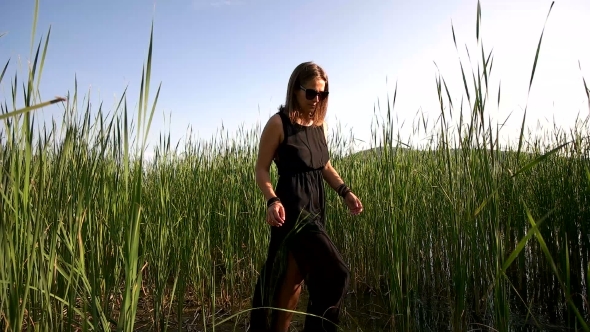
302 74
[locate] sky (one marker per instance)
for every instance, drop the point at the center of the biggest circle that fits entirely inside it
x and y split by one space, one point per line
228 62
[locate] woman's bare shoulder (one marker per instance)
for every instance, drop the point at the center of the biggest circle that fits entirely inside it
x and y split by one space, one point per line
273 128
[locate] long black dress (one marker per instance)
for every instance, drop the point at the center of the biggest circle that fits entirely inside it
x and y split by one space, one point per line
300 159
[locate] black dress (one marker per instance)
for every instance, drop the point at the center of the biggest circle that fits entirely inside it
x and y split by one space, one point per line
300 159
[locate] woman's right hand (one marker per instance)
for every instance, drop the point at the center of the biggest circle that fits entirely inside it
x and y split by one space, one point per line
275 214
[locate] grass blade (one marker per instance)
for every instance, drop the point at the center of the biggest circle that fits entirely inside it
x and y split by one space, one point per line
586 90
34 29
30 108
4 70
539 47
539 159
478 20
43 58
551 262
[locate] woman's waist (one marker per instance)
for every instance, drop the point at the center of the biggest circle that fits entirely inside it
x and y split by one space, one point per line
286 173
295 187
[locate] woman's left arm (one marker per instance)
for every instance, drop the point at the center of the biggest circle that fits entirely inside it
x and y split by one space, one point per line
331 176
333 179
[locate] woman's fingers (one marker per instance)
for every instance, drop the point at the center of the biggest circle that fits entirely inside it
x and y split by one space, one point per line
355 206
275 215
282 212
270 219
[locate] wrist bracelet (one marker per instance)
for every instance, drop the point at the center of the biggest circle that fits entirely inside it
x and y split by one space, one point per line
343 190
272 201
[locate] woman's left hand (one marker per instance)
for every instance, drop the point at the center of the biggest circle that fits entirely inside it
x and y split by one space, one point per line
353 203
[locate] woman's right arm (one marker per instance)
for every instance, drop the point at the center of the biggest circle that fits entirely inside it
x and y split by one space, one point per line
269 141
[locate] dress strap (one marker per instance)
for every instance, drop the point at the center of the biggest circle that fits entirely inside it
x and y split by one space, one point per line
286 121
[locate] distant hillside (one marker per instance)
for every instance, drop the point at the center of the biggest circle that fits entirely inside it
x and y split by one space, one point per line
378 151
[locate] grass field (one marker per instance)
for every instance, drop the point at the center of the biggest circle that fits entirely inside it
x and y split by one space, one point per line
462 234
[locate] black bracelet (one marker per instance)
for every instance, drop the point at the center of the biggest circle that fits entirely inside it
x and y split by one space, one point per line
343 190
272 201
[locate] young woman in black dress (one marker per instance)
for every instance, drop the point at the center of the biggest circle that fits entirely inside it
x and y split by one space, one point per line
295 138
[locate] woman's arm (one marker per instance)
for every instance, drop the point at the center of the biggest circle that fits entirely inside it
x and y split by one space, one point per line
333 179
269 141
331 176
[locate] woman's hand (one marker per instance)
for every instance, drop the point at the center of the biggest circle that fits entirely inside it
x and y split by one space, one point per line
275 214
353 203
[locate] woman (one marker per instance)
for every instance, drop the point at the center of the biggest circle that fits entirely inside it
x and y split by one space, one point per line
295 138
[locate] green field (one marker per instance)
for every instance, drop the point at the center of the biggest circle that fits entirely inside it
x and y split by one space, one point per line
460 234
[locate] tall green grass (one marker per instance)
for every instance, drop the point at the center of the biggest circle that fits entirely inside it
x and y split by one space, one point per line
460 234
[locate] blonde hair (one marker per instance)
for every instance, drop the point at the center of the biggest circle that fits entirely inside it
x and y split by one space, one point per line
302 74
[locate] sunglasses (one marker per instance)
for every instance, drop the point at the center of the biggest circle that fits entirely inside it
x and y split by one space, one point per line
311 93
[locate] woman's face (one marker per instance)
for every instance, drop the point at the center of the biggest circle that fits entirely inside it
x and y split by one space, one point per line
309 94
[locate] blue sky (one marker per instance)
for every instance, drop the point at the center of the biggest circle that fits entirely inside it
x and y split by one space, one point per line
230 61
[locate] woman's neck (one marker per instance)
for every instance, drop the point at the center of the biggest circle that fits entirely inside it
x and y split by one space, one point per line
305 119
305 122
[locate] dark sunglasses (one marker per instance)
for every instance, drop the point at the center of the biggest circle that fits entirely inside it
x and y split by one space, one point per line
311 93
